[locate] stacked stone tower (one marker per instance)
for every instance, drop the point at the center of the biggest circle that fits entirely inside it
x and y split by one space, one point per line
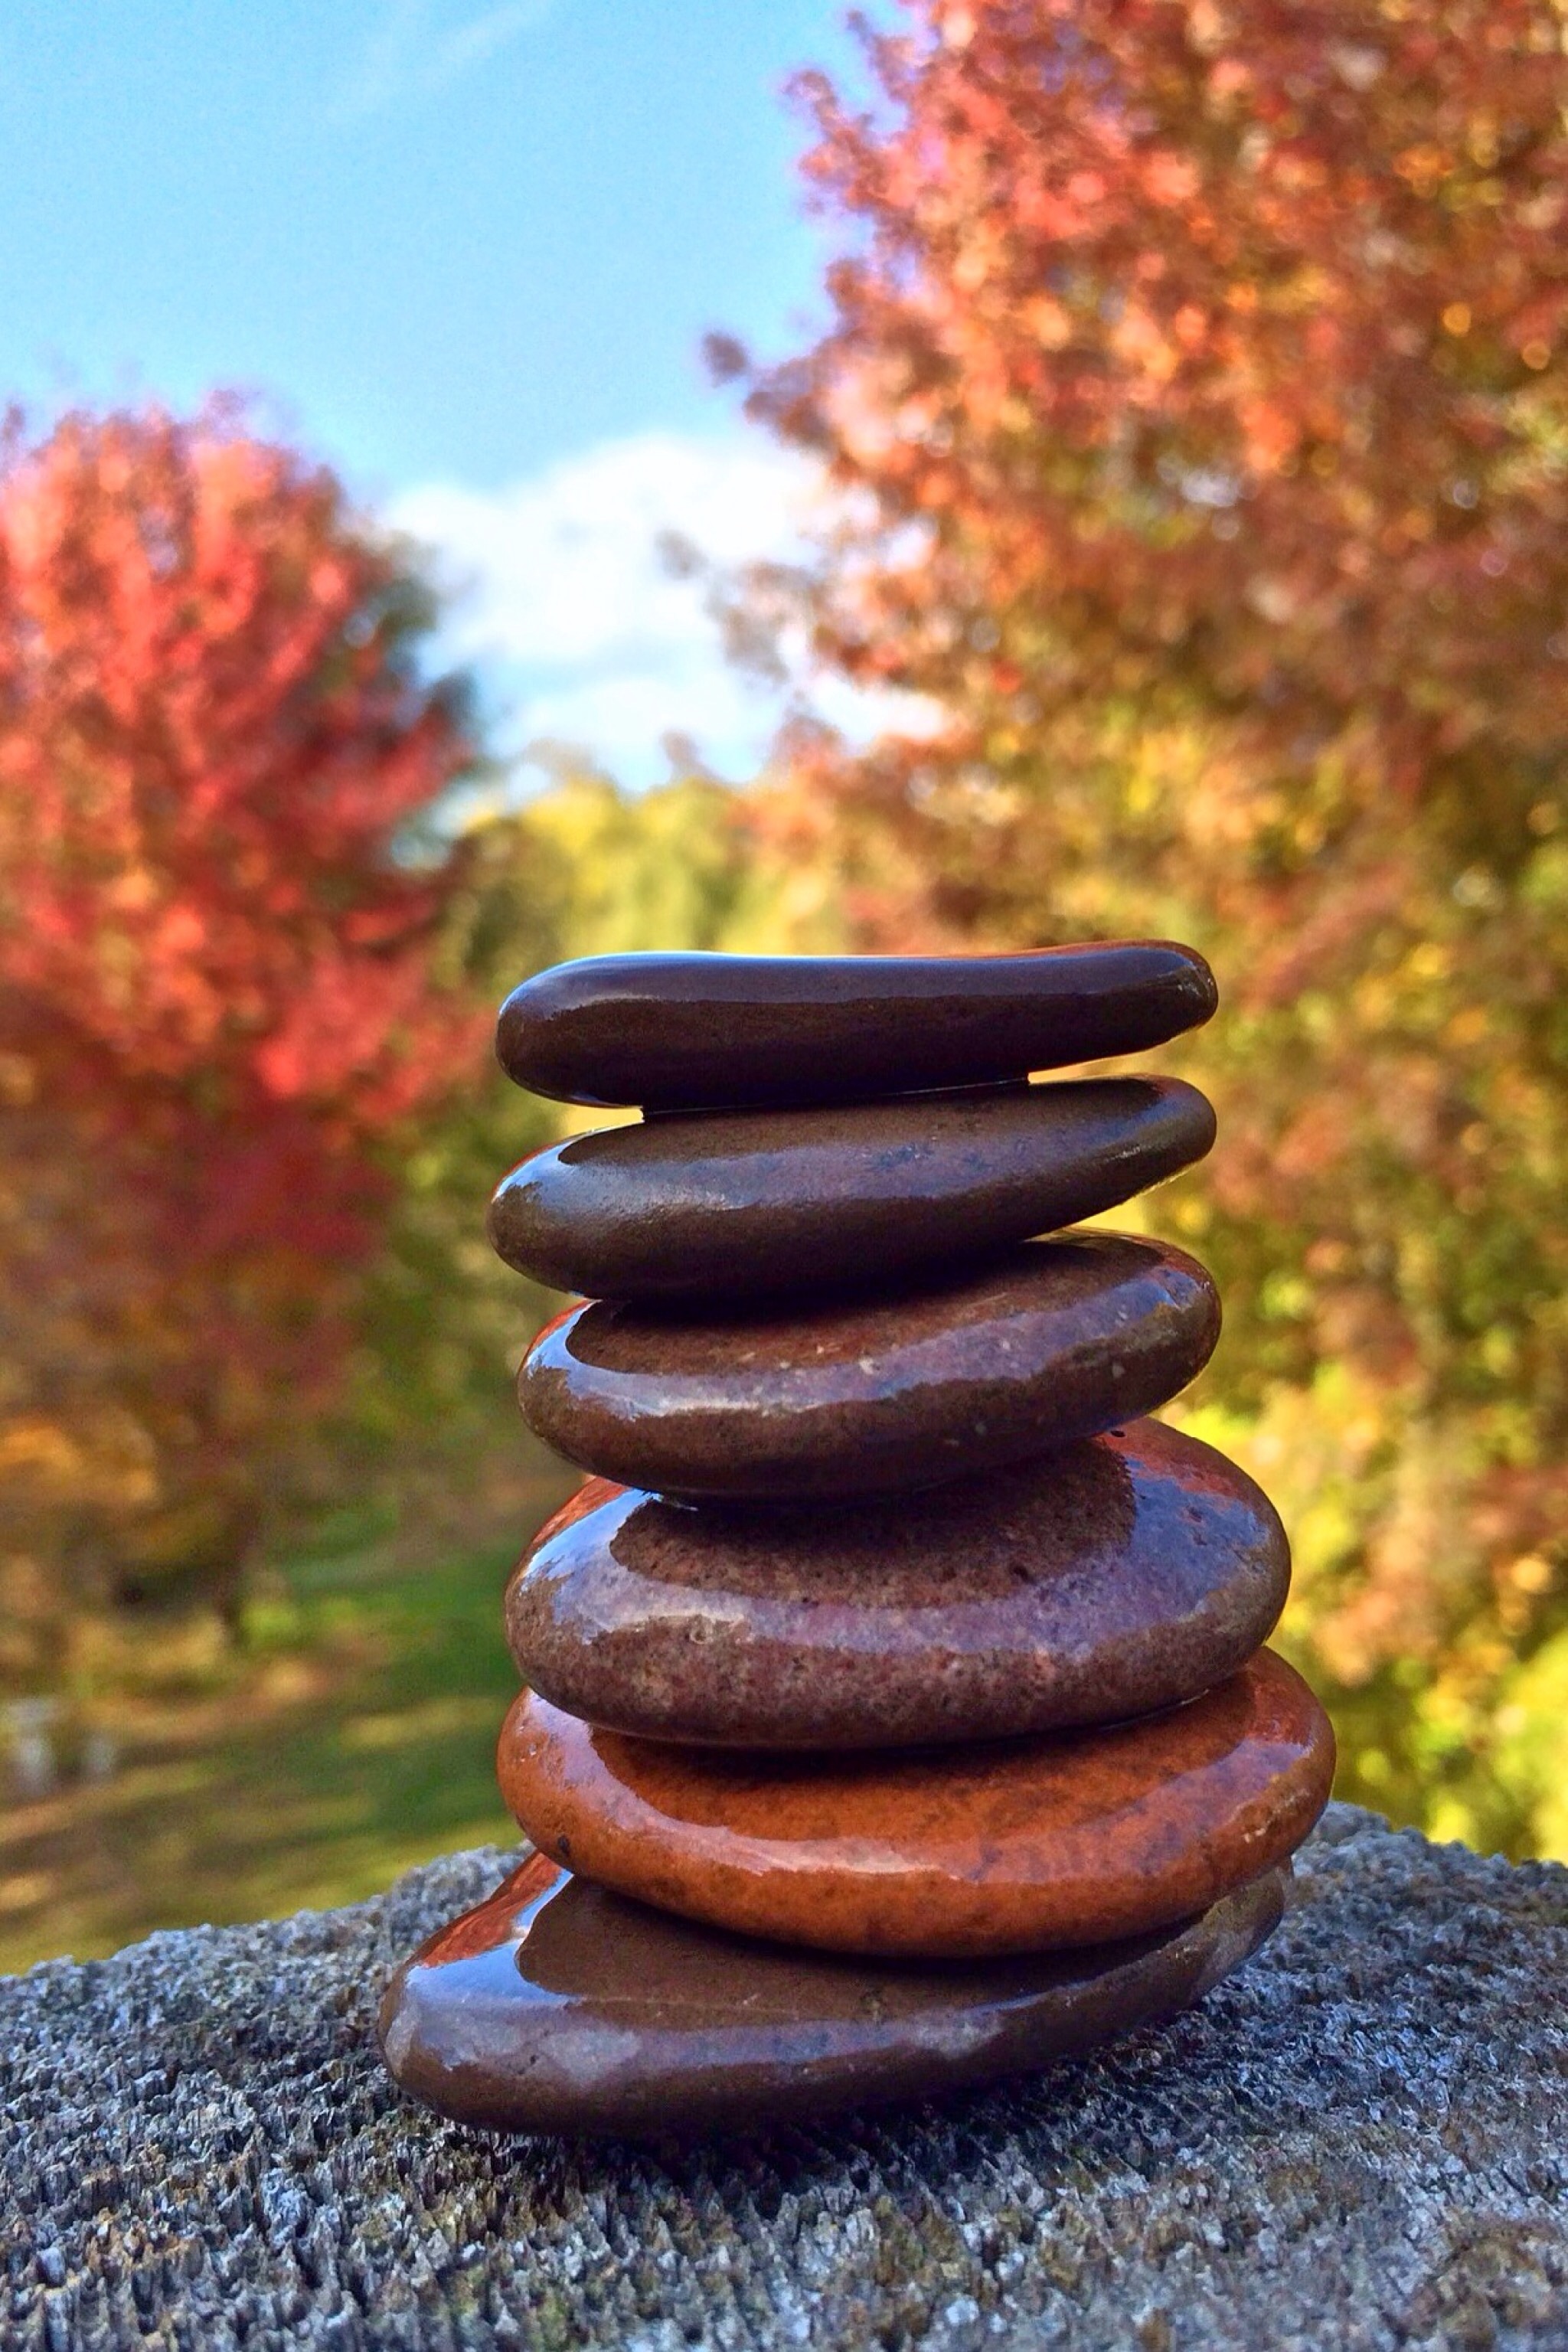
897 1715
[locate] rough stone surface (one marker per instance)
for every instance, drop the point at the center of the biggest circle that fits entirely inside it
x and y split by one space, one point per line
1361 2141
1096 1582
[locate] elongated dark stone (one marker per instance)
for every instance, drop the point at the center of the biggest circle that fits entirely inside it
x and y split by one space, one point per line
1052 1342
1104 1580
745 1203
558 2008
683 1031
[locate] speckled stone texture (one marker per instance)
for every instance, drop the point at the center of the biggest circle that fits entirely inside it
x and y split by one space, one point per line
1361 2141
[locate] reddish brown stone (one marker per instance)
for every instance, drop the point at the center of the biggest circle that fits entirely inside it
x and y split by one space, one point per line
557 2007
1055 1340
954 1853
735 1202
679 1031
1104 1580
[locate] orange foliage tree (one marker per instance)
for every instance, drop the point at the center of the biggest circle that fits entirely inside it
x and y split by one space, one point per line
216 985
1197 378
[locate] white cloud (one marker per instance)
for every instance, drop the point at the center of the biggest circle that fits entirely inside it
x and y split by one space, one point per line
413 51
566 609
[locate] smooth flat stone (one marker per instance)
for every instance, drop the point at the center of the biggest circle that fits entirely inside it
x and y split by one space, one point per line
1115 1577
950 1853
681 1031
1053 1340
744 1202
557 2007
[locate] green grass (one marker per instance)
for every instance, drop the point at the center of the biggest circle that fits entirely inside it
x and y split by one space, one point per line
353 1736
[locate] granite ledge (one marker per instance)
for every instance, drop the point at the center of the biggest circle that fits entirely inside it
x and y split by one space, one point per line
1360 2141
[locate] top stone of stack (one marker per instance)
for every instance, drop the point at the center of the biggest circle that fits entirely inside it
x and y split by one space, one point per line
708 1032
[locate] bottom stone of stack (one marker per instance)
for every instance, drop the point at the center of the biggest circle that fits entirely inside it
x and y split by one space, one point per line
950 1853
559 2007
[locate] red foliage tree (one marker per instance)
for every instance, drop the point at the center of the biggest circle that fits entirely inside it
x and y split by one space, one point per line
216 966
1189 351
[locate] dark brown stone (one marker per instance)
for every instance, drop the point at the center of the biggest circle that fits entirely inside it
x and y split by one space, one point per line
682 1030
1108 1580
1018 1846
556 2007
1055 1340
746 1202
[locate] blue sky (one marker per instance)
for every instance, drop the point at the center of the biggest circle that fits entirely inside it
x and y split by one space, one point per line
467 251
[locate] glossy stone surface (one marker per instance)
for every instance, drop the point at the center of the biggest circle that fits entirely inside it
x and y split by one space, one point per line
1053 1340
950 1853
682 1030
1108 1580
557 2007
727 1202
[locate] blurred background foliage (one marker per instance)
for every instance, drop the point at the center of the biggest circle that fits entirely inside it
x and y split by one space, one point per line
1195 379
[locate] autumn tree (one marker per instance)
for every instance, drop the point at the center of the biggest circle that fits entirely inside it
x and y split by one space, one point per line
217 996
1196 376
